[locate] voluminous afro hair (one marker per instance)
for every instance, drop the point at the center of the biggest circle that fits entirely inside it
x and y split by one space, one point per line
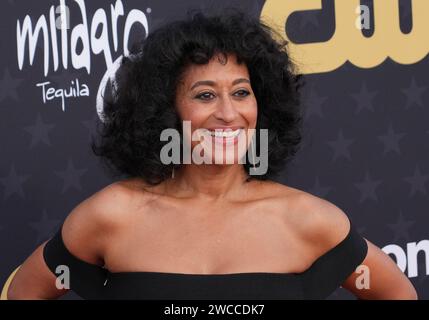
143 102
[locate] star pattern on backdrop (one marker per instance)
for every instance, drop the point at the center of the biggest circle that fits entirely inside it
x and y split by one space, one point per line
90 125
44 227
313 103
414 94
39 132
71 177
367 188
391 140
364 99
401 228
341 146
319 190
417 182
9 86
13 183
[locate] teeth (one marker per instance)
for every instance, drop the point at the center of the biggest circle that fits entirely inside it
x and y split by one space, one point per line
225 134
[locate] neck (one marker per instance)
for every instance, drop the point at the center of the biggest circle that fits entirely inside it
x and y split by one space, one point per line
213 182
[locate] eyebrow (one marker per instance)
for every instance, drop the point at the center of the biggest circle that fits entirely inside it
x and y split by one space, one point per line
212 83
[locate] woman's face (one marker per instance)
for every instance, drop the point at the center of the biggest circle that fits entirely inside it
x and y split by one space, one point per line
218 97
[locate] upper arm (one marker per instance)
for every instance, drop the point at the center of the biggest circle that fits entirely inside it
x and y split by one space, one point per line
384 278
322 224
85 232
327 225
34 280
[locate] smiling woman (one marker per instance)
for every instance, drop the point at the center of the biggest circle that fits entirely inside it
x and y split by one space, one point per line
225 71
205 231
225 106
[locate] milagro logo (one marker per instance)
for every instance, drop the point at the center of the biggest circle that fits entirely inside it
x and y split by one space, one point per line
81 42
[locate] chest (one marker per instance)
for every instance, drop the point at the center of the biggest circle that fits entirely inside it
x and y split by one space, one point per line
228 240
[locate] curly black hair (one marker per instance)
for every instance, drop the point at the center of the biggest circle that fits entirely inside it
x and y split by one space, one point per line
143 102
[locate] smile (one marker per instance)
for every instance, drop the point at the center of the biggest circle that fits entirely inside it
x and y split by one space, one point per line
225 134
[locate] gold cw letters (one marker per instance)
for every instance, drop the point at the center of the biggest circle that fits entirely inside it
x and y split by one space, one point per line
348 42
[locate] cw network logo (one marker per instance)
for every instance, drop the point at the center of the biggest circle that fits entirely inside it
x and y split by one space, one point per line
408 259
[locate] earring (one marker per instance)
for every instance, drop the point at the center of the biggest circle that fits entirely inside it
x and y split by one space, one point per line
172 174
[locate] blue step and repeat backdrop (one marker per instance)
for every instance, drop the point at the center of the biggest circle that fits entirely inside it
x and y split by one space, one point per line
365 149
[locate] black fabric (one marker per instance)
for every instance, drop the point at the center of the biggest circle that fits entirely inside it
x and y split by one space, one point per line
86 279
323 277
331 269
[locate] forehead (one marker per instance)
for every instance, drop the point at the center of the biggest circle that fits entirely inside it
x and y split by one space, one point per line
216 69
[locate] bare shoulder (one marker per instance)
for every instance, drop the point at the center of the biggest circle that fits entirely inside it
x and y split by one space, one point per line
317 221
320 219
93 222
103 208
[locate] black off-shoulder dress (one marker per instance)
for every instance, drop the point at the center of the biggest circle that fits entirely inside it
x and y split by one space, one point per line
322 278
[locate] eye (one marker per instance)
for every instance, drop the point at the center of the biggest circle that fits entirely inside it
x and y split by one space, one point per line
204 96
242 93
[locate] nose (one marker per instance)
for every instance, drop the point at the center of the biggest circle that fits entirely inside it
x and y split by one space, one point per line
226 110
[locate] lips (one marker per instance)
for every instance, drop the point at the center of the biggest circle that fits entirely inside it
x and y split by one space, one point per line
232 128
225 133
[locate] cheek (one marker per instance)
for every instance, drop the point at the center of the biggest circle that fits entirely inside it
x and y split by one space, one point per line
196 115
251 114
187 111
